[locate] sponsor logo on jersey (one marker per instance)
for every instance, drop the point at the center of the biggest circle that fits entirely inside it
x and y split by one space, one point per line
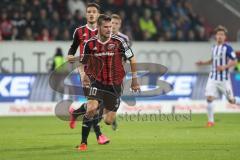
104 54
111 46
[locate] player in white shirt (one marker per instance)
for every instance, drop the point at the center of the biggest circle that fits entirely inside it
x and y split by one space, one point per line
116 26
223 59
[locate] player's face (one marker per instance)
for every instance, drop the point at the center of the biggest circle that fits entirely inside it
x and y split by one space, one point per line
116 25
220 37
105 29
92 14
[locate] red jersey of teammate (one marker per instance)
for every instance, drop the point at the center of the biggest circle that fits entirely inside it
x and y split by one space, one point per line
105 60
80 36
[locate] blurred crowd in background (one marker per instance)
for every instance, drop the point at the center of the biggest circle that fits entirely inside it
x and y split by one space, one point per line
143 20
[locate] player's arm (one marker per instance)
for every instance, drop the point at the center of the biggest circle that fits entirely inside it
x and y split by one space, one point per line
128 54
135 85
231 63
202 63
232 60
73 48
84 78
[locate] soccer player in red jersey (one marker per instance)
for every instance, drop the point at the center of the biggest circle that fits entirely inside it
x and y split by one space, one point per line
104 55
80 37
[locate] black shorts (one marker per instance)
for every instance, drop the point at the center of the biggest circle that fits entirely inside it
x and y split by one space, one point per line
107 95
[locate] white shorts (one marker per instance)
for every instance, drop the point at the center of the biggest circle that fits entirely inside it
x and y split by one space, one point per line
217 88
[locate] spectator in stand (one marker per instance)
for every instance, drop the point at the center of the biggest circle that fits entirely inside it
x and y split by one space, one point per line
74 5
168 36
129 7
28 35
191 36
30 21
15 34
66 35
18 21
44 36
49 6
43 21
138 6
109 5
147 26
55 34
180 36
134 27
35 8
6 26
201 34
55 20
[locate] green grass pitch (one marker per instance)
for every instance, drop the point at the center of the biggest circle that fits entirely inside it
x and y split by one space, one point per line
48 138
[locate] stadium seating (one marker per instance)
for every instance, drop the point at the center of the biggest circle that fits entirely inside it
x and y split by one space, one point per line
172 20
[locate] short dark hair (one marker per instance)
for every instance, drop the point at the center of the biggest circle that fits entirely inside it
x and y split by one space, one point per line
220 28
93 5
103 17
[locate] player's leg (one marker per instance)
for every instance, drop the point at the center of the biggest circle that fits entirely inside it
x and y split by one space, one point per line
210 110
115 124
110 109
75 113
237 101
211 93
91 111
228 92
101 138
92 106
109 116
118 90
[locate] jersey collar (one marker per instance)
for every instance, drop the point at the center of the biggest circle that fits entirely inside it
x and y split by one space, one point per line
90 28
105 41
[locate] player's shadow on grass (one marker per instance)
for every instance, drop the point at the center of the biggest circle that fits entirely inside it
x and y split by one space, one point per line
191 127
29 149
61 134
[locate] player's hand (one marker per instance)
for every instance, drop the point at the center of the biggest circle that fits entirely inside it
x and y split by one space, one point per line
85 80
199 63
71 58
221 68
135 85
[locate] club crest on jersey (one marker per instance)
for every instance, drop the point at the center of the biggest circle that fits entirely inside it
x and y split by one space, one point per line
111 46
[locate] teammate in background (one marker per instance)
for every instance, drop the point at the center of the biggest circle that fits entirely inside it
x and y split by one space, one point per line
223 59
104 55
116 26
80 37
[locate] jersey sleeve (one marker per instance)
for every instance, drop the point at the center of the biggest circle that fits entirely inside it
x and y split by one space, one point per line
86 52
75 44
230 53
126 50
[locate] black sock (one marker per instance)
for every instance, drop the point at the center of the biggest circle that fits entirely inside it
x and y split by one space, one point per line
80 111
96 126
86 126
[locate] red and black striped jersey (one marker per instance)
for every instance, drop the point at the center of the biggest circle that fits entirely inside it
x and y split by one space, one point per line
105 60
80 36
